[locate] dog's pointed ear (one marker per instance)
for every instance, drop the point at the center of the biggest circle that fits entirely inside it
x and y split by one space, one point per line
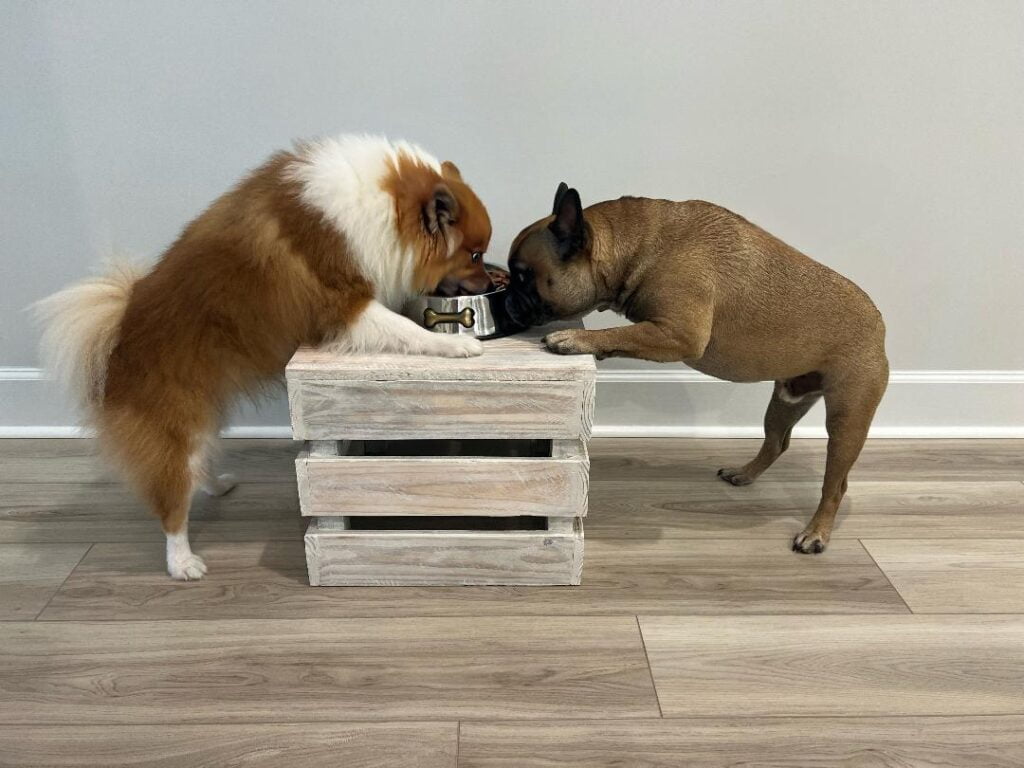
441 210
568 223
451 171
559 193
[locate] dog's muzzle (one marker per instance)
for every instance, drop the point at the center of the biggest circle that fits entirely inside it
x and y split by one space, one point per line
525 308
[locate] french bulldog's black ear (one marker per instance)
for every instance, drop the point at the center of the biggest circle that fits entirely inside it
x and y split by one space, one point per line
441 210
568 223
562 189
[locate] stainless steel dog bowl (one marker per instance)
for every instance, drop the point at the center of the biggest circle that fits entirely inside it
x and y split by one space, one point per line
482 315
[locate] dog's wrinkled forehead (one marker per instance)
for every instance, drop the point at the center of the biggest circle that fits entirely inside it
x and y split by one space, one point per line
533 243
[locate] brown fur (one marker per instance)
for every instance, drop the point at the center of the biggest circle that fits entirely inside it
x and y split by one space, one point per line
704 286
447 258
247 282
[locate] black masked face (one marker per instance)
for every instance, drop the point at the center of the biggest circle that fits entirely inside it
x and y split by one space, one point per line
549 264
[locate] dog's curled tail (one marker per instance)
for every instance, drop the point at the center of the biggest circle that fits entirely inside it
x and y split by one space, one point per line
81 327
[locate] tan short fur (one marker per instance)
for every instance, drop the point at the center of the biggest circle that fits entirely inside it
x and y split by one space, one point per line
705 286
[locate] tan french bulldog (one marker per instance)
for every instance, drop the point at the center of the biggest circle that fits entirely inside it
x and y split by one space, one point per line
706 287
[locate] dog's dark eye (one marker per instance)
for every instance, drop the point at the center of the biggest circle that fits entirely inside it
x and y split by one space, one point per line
477 255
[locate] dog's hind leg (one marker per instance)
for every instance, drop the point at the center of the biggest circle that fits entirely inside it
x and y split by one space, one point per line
168 487
170 492
203 465
156 459
784 411
850 405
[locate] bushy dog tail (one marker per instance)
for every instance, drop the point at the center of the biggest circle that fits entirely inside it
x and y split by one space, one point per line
81 327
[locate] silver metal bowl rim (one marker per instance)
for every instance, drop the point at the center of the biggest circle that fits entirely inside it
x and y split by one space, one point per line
485 323
460 302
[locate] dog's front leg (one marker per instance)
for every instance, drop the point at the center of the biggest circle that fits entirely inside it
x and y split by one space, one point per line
647 340
378 329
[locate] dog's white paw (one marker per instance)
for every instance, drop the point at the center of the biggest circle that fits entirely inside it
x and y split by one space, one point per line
188 568
220 485
459 346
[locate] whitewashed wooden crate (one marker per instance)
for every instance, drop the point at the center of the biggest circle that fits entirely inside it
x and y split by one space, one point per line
337 555
424 470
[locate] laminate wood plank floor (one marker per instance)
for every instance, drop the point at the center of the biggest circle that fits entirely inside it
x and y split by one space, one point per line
31 574
944 576
696 639
837 665
802 742
294 745
709 508
941 460
122 581
88 512
257 670
79 461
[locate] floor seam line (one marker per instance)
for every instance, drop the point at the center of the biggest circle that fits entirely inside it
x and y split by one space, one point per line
886 576
650 669
62 724
65 581
548 614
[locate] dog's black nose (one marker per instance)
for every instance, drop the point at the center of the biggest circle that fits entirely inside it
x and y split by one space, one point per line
520 309
522 275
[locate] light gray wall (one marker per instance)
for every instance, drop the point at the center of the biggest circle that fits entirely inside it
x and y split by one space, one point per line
883 138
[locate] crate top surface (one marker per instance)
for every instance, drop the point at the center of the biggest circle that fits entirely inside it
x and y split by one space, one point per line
521 357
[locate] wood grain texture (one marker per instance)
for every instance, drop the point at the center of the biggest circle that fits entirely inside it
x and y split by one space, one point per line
301 745
517 389
639 459
67 512
955 576
913 460
709 508
77 461
408 409
515 358
315 670
323 448
835 665
343 558
254 580
417 485
900 742
31 574
217 667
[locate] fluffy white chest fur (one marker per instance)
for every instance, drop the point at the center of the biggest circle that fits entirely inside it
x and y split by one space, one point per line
342 178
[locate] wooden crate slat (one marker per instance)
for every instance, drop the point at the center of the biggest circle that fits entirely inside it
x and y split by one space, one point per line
325 409
416 485
443 558
516 358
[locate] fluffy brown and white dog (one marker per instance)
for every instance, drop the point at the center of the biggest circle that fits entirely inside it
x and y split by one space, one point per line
322 244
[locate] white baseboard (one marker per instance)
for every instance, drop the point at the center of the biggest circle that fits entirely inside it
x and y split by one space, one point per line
893 433
883 433
647 402
276 432
878 433
687 376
